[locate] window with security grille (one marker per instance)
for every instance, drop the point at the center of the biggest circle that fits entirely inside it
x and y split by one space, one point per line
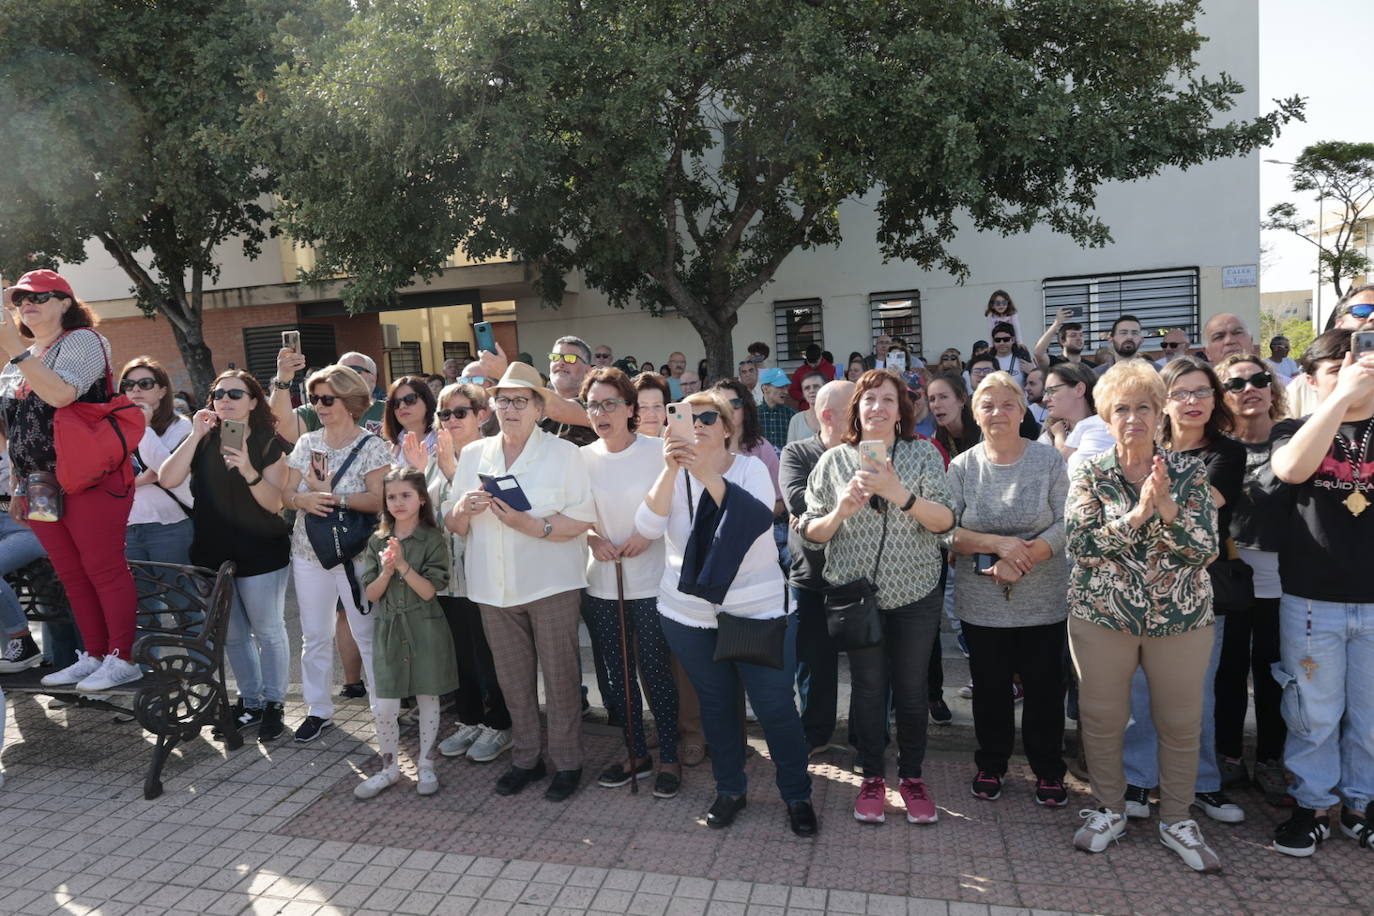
796 323
405 359
457 349
898 315
1161 299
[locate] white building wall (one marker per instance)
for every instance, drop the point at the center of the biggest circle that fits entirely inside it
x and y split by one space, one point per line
1207 217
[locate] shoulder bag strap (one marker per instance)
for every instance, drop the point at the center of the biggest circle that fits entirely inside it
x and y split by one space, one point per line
882 540
184 508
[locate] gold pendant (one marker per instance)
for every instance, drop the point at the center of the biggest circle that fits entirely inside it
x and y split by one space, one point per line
1356 502
1310 665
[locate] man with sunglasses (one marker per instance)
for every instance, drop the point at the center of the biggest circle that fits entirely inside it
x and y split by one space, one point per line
1174 345
569 363
1355 311
294 423
1004 352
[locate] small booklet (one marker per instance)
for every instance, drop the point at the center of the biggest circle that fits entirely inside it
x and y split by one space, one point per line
507 489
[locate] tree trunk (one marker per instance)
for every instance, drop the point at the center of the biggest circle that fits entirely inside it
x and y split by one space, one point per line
717 338
199 364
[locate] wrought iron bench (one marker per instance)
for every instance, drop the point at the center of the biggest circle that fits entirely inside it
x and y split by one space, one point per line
183 616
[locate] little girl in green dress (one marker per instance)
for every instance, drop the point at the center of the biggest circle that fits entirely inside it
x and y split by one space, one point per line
406 564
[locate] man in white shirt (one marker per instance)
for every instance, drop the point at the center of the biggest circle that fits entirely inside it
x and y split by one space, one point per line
749 378
1174 345
1278 355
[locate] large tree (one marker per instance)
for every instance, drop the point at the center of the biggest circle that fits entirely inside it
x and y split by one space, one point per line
1341 176
122 122
675 153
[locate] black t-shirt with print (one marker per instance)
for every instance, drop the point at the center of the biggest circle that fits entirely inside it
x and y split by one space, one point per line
1325 553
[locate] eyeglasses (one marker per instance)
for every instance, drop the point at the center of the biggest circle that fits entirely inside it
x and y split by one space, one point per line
1126 332
406 400
144 384
519 403
610 405
326 399
999 301
457 413
1363 310
366 369
1236 385
981 370
565 358
706 417
1201 394
1051 389
37 298
1171 344
1003 339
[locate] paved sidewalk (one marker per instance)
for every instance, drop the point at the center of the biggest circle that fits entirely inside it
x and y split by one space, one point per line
277 830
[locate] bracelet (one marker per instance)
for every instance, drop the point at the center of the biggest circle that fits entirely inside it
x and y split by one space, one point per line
16 360
280 385
255 481
343 502
906 507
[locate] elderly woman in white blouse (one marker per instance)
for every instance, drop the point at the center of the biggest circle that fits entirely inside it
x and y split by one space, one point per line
525 569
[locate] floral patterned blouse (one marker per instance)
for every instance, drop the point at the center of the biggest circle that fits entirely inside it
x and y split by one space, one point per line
1150 581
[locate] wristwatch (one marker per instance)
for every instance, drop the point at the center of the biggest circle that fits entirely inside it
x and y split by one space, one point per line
280 385
548 529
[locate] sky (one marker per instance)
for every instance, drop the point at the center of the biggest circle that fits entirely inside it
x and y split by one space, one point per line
1322 50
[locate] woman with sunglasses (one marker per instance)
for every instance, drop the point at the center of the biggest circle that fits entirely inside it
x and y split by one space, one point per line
408 423
624 564
484 726
1250 643
340 465
160 526
526 568
55 359
886 517
690 471
748 438
235 516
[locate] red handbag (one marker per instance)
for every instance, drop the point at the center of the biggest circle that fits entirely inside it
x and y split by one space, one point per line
93 441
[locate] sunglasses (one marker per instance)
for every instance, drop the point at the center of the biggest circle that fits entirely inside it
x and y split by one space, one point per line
737 403
1363 310
235 394
360 369
457 413
39 298
706 417
326 399
1170 344
601 355
144 384
1003 339
407 400
1260 379
565 358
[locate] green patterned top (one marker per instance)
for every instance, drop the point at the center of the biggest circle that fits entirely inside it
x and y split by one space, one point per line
1150 581
910 563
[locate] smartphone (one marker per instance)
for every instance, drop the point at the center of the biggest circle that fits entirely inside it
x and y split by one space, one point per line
1362 342
486 340
896 359
319 463
231 433
680 422
873 452
982 562
291 340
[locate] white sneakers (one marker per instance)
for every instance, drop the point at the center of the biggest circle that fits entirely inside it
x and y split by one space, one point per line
1184 838
91 674
374 785
457 744
1101 827
84 667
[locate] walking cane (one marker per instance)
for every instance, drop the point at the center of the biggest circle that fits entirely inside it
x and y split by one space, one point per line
625 668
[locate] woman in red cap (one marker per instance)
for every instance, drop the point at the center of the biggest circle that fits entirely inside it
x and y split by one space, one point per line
56 359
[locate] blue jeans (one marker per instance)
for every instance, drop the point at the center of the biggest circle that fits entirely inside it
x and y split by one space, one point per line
256 646
18 548
770 693
1139 746
1329 762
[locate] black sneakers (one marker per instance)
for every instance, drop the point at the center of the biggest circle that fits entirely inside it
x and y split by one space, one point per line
311 728
20 654
1300 834
1357 828
271 725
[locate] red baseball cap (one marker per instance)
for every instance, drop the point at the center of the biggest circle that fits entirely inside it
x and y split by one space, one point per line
40 281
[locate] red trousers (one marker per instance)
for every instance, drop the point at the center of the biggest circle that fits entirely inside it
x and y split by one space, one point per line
86 546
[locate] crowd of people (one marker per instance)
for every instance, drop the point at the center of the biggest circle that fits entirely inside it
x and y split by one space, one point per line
1129 543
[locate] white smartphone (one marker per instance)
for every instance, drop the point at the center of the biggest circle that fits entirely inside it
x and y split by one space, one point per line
291 340
873 452
680 422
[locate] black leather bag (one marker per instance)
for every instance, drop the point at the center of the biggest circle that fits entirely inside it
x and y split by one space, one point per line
1233 586
852 617
342 534
750 641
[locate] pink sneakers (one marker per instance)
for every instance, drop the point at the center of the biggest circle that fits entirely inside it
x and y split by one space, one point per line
868 807
920 807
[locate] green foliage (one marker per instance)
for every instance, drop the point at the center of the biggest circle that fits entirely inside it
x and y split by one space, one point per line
122 122
1298 331
676 152
1341 176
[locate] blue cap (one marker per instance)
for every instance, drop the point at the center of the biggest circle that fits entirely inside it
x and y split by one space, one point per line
775 377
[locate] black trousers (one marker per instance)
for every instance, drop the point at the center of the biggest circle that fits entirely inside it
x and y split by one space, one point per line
1250 645
1036 653
817 667
479 697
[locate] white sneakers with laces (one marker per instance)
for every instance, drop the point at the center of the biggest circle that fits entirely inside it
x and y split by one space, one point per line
84 666
113 671
1100 828
1184 838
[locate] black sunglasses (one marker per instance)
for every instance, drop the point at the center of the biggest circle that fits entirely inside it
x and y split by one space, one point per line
326 399
457 413
1170 344
706 417
1003 339
737 403
1260 379
129 384
37 298
404 399
233 394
